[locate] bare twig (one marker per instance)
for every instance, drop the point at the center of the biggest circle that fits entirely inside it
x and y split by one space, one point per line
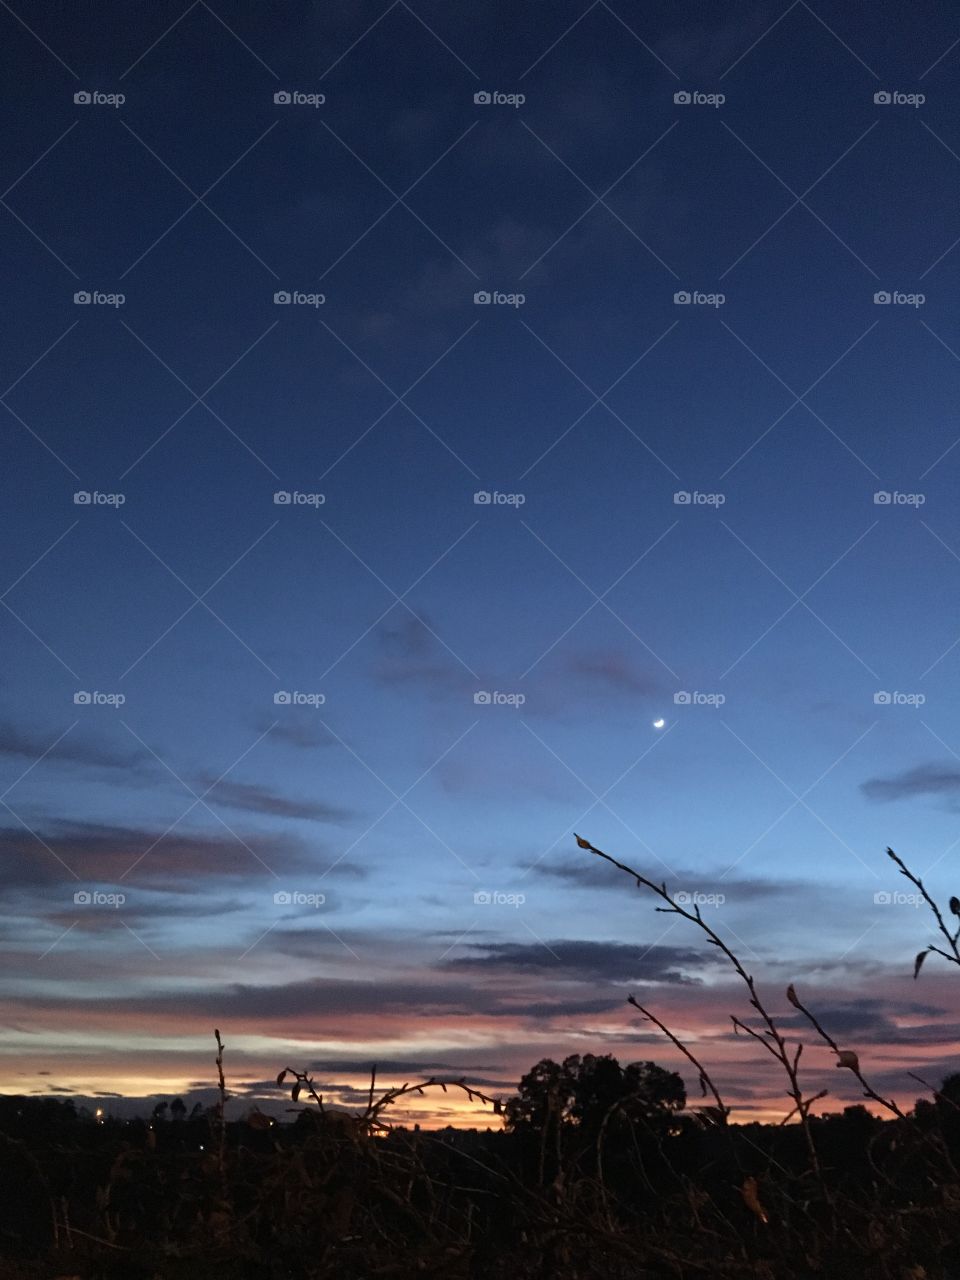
221 1105
369 1120
952 938
771 1039
847 1058
722 1110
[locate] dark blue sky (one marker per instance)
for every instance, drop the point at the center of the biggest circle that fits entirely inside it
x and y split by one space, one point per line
814 627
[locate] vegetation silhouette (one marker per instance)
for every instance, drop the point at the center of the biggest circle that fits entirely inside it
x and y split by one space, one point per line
599 1171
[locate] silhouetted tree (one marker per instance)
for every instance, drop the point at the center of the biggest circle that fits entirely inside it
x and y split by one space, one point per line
582 1091
589 1109
545 1094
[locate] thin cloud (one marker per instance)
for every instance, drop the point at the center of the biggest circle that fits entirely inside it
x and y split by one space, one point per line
410 654
591 873
103 854
610 961
254 798
612 670
925 780
413 1001
295 729
72 748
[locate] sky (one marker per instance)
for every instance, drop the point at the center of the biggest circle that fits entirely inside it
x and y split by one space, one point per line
429 431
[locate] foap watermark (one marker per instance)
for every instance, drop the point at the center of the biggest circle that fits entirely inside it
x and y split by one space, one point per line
297 298
494 298
294 498
894 698
96 98
297 898
495 898
494 498
696 98
894 98
894 498
294 698
897 899
695 298
85 698
94 498
296 98
694 698
896 298
97 898
97 298
694 498
695 898
494 698
496 98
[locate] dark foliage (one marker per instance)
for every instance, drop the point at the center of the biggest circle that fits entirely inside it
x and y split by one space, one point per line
600 1173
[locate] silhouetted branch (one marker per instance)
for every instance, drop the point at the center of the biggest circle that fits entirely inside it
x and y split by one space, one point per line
772 1039
954 954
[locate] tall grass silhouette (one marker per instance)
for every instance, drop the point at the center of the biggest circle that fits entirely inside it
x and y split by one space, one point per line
631 1195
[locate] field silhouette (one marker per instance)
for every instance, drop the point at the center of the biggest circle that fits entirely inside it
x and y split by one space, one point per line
599 1170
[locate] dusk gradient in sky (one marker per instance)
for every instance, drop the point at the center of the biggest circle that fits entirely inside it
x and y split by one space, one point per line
463 391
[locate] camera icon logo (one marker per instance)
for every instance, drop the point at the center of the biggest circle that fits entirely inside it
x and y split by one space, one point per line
482 898
82 298
282 898
681 698
882 98
81 698
882 899
281 698
281 498
882 498
681 298
282 298
82 98
682 896
82 498
682 97
82 898
881 698
481 698
482 498
482 298
681 498
282 97
882 298
482 99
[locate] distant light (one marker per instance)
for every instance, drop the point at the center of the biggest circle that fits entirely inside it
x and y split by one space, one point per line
658 724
